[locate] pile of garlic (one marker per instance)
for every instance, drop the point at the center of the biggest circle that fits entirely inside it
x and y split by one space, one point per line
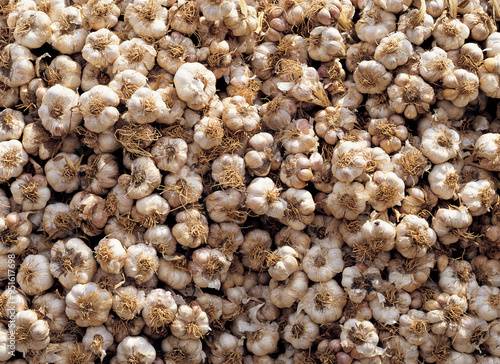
260 181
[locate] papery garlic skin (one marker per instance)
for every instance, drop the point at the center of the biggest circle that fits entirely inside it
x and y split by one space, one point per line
347 200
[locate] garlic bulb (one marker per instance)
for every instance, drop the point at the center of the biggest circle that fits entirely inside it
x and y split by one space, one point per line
147 18
195 85
333 123
159 310
375 24
16 68
144 178
410 95
52 308
348 161
34 275
98 107
88 305
226 206
135 349
414 237
485 303
207 266
462 87
97 340
360 339
65 71
128 302
263 197
393 50
187 351
478 196
323 302
435 64
111 255
300 208
450 223
325 43
31 333
30 192
300 331
174 271
141 263
450 33
68 32
135 55
101 48
440 143
11 124
321 264
190 322
58 110
385 190
101 14
191 229
72 262
146 106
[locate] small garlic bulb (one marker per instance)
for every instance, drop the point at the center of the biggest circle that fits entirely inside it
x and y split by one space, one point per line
207 266
462 87
141 263
111 255
195 85
385 190
11 124
393 50
300 331
146 106
450 33
360 339
323 302
72 262
30 192
88 305
174 271
135 349
128 302
440 143
189 351
69 34
144 178
190 322
135 55
159 310
414 237
31 333
321 264
34 276
97 340
57 110
410 95
101 48
478 196
16 68
98 107
191 229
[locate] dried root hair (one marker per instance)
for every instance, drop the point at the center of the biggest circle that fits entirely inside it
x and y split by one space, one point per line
134 137
366 250
89 138
161 317
412 162
231 144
